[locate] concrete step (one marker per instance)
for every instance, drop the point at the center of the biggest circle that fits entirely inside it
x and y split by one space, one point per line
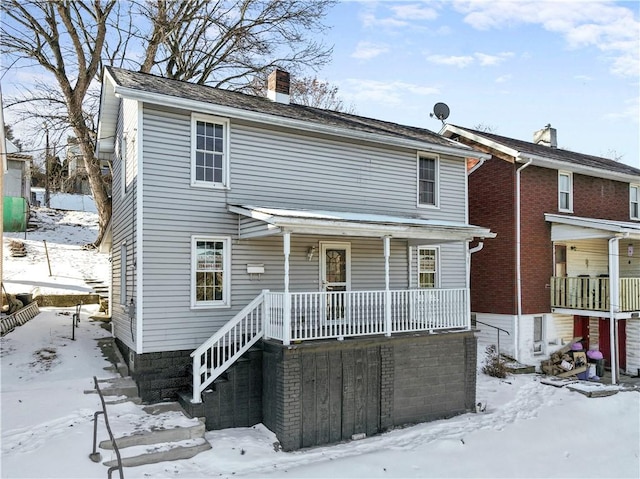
154 453
157 436
117 387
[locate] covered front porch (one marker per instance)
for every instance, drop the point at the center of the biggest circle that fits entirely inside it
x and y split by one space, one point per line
340 308
597 274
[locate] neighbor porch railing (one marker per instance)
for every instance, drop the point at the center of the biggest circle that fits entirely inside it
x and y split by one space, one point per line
593 294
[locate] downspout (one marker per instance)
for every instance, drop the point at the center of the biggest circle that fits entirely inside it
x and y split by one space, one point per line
516 329
475 249
614 302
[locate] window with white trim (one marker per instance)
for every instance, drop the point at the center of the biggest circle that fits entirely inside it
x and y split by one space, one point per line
538 334
427 267
427 181
211 271
565 191
209 151
634 202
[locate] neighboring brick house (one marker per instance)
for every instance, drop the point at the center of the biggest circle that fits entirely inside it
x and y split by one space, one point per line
567 256
299 267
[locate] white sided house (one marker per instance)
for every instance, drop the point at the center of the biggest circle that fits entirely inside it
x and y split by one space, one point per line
271 259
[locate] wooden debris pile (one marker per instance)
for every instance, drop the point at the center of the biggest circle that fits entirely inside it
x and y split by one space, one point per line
18 249
566 362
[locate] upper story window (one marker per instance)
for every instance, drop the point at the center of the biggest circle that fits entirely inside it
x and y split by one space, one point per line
634 202
427 181
565 191
209 151
211 270
427 267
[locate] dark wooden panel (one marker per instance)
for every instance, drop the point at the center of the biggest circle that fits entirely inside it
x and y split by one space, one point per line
360 392
373 390
309 411
348 393
335 396
322 397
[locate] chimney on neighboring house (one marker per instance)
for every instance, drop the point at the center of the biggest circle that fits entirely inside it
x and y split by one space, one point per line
278 87
547 137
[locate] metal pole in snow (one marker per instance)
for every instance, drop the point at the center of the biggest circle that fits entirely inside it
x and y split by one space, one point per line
46 250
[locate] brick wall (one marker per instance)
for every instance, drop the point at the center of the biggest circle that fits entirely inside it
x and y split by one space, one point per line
491 204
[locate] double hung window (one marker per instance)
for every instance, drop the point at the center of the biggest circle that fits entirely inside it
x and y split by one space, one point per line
427 267
427 181
209 152
211 271
565 192
634 202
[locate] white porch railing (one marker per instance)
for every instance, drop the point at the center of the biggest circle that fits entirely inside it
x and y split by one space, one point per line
326 315
593 293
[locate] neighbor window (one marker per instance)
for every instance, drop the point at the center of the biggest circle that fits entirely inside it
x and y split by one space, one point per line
427 267
538 334
209 151
211 270
427 181
634 202
565 192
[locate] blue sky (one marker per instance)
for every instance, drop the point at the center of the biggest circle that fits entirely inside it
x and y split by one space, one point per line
511 66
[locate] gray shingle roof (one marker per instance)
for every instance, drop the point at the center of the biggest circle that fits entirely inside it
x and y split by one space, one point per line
558 154
164 86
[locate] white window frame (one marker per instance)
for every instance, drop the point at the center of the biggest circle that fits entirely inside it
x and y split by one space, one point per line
225 302
224 184
436 192
634 215
123 164
569 175
436 272
539 346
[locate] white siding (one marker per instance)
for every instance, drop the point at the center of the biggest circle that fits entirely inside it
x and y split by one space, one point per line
633 346
271 168
488 336
590 257
124 215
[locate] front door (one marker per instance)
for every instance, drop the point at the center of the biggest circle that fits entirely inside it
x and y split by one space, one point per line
605 342
335 277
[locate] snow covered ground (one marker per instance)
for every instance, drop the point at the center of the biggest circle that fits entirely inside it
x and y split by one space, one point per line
529 430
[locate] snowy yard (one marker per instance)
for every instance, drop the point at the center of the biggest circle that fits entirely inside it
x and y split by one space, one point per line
529 430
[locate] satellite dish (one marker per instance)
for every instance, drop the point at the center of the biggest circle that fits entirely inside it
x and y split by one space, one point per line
440 111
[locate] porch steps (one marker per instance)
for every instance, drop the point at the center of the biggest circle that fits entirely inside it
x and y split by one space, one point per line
147 434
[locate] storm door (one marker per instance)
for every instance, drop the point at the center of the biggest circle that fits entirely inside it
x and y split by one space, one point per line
335 277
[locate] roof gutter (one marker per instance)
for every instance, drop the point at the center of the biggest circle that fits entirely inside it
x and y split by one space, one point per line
584 170
188 104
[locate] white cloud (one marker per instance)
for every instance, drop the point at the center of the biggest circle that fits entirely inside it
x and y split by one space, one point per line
631 112
463 61
414 12
386 93
456 61
611 28
369 50
491 60
503 78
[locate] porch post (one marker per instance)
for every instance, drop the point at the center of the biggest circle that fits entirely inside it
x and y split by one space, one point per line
286 320
387 291
614 302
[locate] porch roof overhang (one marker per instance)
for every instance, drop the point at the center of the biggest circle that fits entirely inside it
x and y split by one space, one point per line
574 228
262 221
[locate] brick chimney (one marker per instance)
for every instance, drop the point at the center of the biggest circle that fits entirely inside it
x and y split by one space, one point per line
278 87
547 137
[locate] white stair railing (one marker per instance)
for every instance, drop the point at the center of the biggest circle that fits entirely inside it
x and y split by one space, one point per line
227 345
